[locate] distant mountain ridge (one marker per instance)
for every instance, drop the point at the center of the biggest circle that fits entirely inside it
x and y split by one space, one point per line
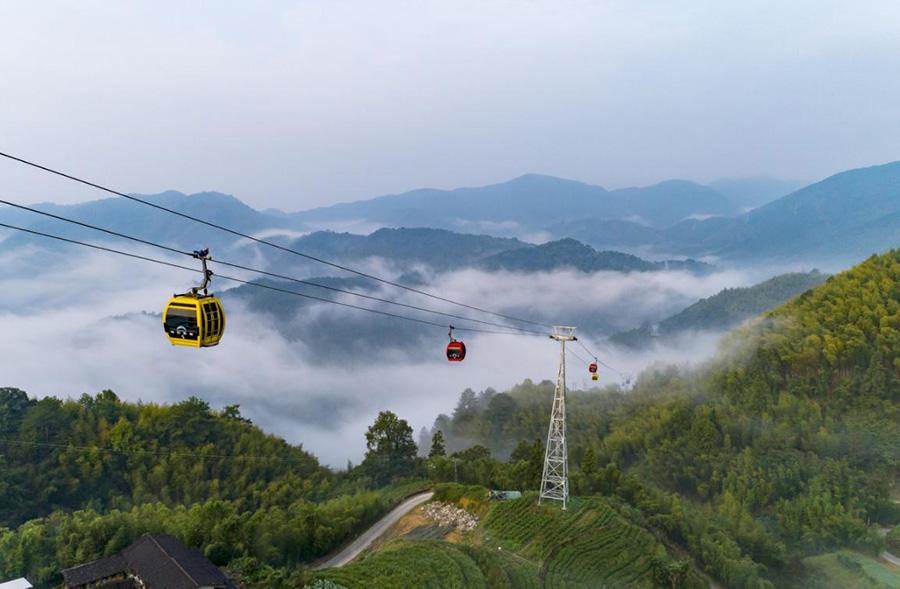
138 220
531 200
845 217
439 248
569 253
755 191
832 223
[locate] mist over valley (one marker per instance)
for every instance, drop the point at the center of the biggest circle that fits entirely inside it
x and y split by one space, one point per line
456 295
314 372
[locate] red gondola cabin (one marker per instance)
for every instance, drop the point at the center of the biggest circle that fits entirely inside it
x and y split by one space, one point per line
456 351
592 369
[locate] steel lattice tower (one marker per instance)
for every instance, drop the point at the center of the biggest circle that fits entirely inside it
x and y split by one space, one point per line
555 480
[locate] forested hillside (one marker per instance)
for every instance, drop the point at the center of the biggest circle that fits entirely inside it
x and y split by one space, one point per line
783 446
81 479
177 454
725 310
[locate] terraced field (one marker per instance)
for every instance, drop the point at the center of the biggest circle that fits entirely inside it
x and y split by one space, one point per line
434 564
588 546
522 544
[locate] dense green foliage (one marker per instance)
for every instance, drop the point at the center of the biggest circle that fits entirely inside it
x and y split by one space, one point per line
91 476
101 453
725 310
784 445
390 449
275 536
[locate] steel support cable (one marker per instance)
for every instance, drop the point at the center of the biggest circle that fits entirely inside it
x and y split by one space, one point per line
594 356
259 285
263 272
577 356
585 362
263 241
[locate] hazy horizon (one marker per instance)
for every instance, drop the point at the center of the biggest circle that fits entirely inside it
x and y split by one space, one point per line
295 105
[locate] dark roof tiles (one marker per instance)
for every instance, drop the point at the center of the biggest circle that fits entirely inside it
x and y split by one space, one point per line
160 561
163 561
94 571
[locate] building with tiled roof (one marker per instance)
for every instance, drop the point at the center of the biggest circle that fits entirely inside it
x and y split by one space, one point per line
156 561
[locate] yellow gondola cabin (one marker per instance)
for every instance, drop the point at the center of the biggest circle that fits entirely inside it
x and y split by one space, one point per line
194 319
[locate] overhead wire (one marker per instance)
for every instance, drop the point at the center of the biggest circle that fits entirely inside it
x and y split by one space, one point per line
577 356
263 241
263 272
261 285
583 361
594 356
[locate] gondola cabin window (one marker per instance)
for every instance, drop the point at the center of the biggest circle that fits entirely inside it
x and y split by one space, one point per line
456 351
181 322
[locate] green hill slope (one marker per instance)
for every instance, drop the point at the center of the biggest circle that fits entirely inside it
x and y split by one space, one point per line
523 544
725 310
781 447
83 479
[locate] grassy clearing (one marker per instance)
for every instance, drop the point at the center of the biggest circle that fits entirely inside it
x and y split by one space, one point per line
847 569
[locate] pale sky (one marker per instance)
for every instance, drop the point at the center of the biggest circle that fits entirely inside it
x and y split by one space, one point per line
302 103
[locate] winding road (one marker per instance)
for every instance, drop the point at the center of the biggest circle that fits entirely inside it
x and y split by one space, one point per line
890 558
380 527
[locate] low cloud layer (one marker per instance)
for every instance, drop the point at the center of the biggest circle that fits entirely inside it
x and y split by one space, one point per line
81 323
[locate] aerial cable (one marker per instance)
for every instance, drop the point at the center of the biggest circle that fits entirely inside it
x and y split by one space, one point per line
263 272
577 356
260 285
598 360
264 242
585 362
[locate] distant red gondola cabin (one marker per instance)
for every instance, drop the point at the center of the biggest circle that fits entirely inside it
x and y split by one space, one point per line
456 351
592 368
